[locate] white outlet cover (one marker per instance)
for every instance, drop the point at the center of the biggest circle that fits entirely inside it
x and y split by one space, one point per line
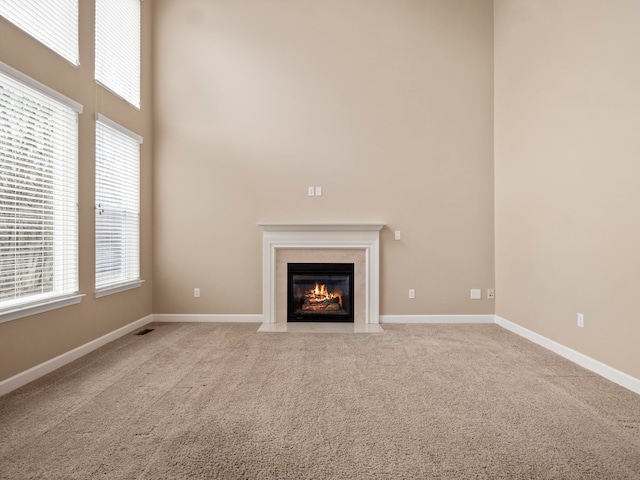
318 191
476 294
311 191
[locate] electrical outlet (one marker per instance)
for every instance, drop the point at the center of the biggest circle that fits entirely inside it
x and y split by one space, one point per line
581 320
311 191
196 292
397 235
412 293
491 294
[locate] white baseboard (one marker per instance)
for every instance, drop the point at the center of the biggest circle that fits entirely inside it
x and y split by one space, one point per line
437 318
49 366
578 358
213 318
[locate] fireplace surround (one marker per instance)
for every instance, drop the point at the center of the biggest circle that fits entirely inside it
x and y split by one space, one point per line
321 243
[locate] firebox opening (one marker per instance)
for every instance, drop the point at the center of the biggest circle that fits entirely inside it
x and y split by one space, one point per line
320 292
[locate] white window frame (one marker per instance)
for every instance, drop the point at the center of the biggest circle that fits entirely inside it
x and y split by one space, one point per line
118 27
65 253
118 185
55 24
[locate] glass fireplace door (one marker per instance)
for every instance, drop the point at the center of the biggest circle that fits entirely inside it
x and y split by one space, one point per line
320 292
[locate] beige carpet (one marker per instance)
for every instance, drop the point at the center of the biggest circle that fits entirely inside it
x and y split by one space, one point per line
196 401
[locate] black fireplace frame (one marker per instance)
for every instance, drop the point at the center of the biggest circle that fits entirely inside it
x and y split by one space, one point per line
321 269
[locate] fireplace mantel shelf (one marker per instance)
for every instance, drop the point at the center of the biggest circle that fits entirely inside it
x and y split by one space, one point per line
333 227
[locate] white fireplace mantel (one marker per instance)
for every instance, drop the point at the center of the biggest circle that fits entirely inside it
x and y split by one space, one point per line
358 236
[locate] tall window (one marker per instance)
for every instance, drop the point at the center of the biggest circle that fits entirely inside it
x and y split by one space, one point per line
53 23
118 47
38 193
117 206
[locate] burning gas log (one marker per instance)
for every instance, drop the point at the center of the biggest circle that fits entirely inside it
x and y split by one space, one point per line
319 299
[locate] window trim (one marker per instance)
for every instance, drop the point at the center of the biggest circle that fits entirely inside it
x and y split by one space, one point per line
122 287
40 307
50 92
116 126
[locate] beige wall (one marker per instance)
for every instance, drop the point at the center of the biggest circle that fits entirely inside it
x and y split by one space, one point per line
29 341
388 105
567 108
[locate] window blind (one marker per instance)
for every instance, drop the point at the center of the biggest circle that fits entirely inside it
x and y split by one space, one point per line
55 24
117 204
38 193
118 47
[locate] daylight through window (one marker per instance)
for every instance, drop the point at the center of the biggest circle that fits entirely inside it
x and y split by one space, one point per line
118 47
38 193
117 204
53 23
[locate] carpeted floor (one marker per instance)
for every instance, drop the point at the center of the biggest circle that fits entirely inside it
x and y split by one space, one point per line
200 401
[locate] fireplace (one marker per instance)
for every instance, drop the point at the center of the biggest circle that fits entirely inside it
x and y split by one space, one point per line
358 244
320 292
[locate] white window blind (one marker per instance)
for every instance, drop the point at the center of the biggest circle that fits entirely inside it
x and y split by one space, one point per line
38 193
53 23
117 204
118 47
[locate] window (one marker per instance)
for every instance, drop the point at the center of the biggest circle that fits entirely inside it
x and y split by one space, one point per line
117 207
118 47
38 195
55 24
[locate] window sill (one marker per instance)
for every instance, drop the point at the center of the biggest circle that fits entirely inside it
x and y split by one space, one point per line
45 306
121 287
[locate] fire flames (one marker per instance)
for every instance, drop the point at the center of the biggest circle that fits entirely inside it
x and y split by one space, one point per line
319 298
